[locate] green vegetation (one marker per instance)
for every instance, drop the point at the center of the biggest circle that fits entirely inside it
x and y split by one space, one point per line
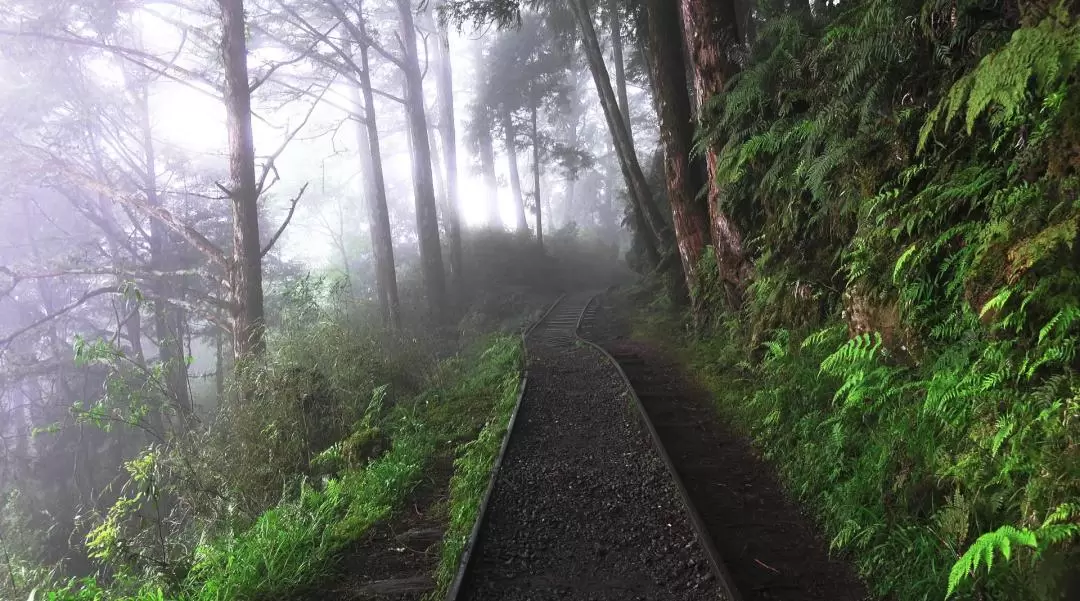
472 472
906 351
294 543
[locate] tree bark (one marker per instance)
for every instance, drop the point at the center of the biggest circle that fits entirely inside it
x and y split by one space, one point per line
536 180
245 278
382 240
444 89
650 224
711 30
219 364
620 65
427 216
672 101
510 133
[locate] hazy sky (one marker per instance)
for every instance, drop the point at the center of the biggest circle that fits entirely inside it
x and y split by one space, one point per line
187 119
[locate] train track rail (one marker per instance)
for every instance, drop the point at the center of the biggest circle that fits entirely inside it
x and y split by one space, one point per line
584 502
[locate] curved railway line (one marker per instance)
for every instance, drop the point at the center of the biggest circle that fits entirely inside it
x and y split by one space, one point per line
585 503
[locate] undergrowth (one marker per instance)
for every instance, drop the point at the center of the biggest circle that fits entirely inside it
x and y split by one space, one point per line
294 545
472 472
907 177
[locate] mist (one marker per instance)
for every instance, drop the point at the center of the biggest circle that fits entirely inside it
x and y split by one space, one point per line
210 205
506 299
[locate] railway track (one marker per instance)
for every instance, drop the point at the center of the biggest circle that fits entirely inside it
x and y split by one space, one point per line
773 550
585 503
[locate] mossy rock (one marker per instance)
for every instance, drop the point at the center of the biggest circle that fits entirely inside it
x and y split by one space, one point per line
364 444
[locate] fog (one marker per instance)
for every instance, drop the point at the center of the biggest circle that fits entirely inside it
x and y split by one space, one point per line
163 224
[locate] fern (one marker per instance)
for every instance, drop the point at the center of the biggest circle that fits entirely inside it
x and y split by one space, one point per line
1037 58
859 350
983 550
1058 528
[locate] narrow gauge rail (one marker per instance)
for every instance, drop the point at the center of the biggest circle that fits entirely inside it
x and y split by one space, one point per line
584 503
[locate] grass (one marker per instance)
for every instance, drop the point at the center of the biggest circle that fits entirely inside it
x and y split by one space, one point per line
472 473
294 545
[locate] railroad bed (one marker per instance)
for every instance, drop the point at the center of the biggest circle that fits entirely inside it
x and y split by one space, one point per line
584 506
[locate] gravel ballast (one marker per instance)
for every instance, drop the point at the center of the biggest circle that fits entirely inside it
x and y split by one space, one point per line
583 506
771 547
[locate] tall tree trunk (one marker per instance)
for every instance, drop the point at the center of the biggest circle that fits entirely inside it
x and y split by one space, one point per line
486 144
444 91
491 183
427 216
641 18
368 199
650 223
170 345
219 364
568 215
672 101
382 240
438 178
245 281
607 212
536 180
711 30
614 20
521 224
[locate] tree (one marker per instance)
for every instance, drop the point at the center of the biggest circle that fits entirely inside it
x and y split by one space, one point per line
529 79
241 267
711 31
651 225
245 278
677 136
615 22
427 220
408 62
381 237
444 85
308 37
510 144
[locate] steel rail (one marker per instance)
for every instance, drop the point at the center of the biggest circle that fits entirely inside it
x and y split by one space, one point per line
470 545
719 568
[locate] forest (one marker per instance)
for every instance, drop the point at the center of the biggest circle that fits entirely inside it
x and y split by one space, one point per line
289 286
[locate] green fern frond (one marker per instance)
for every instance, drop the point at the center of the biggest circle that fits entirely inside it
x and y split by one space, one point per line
1037 59
859 350
1062 321
822 336
983 549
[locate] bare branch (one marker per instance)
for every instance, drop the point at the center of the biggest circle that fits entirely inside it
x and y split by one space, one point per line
288 139
189 233
281 230
299 57
360 36
142 59
82 300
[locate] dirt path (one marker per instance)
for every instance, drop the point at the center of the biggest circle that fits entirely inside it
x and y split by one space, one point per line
583 507
771 548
